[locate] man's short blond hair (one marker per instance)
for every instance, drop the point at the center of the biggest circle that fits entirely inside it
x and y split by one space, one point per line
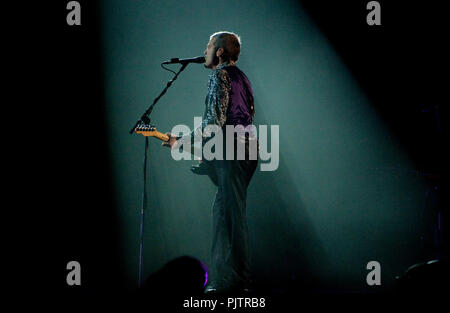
230 42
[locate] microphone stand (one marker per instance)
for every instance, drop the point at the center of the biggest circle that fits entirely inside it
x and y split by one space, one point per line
145 120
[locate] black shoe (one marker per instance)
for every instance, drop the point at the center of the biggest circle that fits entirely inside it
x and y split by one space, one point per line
227 290
210 290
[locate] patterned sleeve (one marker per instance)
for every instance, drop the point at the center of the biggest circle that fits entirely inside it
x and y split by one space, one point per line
217 102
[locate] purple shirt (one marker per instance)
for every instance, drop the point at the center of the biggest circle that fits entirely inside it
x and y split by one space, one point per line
229 100
240 107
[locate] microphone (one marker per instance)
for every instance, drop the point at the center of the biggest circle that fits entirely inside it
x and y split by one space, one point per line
185 61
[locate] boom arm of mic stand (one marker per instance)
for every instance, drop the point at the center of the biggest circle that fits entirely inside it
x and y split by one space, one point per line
145 117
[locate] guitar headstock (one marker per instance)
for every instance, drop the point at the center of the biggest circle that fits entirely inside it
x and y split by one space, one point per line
150 131
145 130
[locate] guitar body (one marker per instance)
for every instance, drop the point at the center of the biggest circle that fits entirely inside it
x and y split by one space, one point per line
206 168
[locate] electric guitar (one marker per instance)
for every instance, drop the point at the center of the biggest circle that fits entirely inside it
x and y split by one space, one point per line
203 168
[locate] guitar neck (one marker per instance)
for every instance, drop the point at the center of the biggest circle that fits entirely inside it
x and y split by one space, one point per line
161 136
150 131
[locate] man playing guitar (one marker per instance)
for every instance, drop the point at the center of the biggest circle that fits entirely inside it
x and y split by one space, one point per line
229 102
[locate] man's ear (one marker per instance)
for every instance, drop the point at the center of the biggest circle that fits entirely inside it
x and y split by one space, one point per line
219 52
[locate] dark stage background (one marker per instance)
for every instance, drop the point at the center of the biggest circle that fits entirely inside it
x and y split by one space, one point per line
398 65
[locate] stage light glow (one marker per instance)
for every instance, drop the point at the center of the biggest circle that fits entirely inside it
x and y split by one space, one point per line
341 192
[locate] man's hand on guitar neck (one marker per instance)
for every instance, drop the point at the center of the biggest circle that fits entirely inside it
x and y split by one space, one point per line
172 143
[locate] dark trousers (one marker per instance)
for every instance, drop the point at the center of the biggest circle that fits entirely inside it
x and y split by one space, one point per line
230 264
